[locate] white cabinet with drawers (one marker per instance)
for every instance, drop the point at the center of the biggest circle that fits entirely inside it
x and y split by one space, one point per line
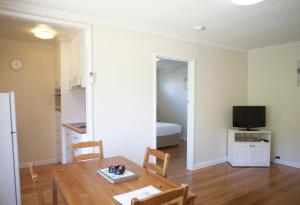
249 148
58 136
72 137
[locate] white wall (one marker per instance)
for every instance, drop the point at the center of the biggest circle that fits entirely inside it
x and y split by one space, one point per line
172 96
272 82
124 96
34 88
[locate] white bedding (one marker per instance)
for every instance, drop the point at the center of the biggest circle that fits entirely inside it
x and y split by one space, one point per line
163 129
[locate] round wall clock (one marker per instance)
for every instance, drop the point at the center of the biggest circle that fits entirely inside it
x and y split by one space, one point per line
16 64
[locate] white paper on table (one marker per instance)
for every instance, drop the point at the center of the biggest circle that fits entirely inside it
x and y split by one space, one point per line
125 199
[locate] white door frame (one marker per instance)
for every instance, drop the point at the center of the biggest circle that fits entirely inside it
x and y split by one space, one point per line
190 104
88 38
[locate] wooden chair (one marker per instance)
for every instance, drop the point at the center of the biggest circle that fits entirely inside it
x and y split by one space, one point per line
176 196
87 144
36 184
162 171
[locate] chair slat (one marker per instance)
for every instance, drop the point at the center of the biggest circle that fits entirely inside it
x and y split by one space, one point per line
157 153
36 184
160 155
173 196
87 144
154 168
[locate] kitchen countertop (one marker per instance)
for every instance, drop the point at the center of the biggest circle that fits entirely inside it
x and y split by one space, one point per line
76 127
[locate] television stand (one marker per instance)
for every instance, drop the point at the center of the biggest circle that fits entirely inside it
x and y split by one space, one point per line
249 148
249 129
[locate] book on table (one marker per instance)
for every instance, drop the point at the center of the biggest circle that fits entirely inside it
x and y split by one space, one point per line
125 199
114 178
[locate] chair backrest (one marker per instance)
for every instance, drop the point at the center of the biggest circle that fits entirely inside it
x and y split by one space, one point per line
87 144
162 171
173 196
36 184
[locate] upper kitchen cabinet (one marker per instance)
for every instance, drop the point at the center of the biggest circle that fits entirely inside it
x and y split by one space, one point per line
78 62
57 68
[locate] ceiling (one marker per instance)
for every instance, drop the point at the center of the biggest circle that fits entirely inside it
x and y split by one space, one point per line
241 27
18 30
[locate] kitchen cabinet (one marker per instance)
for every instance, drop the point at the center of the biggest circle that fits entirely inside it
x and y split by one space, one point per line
78 62
72 137
57 67
58 136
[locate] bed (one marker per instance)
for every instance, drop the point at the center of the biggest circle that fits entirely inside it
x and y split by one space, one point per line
168 134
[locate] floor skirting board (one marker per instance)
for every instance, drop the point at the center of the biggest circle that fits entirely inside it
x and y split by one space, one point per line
209 163
38 162
183 139
288 163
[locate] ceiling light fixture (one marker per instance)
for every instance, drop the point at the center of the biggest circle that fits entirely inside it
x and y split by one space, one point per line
199 28
44 32
246 2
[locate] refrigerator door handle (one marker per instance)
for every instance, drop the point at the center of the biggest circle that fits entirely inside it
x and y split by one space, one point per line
13 111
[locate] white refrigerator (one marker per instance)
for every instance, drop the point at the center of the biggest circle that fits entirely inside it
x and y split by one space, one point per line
9 159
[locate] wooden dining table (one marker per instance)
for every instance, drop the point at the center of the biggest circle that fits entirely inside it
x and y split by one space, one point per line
80 184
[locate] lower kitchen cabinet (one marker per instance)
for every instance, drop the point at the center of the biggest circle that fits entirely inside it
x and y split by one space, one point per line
71 137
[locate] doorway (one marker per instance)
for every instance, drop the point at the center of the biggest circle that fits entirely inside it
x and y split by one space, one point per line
174 88
85 92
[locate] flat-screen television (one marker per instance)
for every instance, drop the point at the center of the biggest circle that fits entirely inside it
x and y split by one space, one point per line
249 116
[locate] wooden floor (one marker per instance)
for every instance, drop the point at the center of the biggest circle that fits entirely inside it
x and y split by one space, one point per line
216 185
45 178
224 185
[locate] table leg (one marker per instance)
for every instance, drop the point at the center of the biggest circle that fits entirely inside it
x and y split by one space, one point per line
54 193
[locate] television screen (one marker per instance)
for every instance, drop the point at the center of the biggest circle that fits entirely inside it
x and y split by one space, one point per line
249 116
